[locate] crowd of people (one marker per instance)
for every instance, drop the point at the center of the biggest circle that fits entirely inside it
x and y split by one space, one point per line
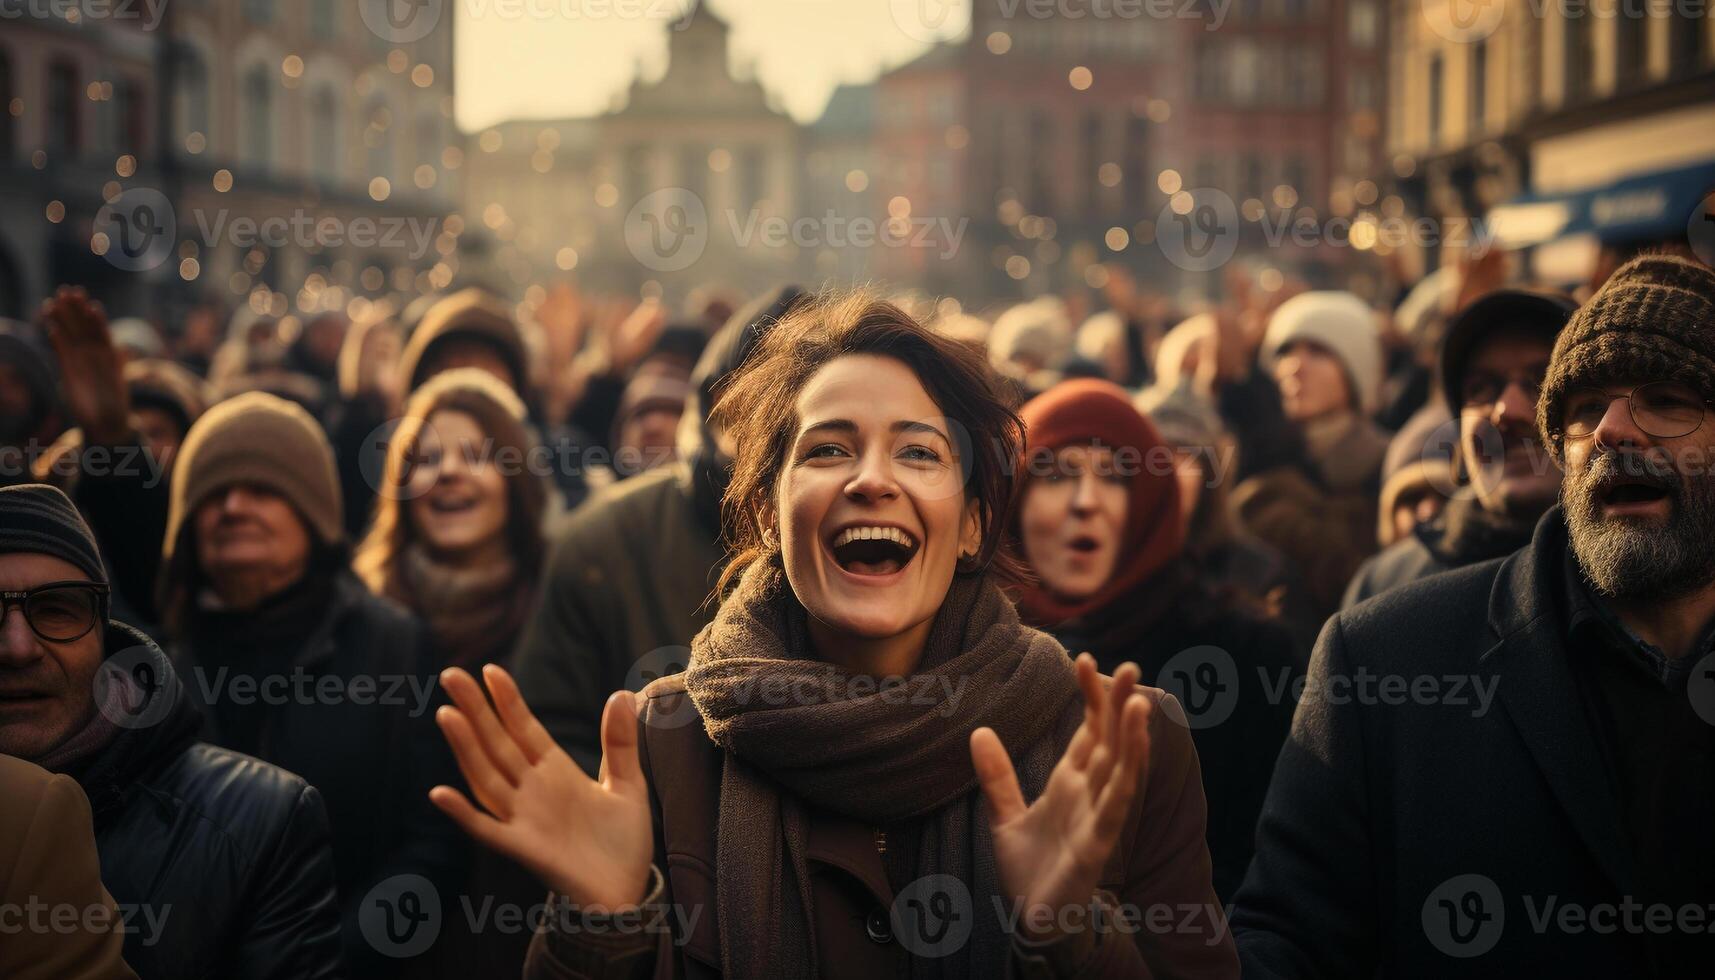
834 632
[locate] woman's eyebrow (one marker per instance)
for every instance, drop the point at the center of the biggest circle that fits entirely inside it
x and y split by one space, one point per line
911 425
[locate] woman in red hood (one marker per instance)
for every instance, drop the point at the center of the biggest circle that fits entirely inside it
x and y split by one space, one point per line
1098 522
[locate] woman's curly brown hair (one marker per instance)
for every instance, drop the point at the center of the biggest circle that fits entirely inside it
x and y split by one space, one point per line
757 408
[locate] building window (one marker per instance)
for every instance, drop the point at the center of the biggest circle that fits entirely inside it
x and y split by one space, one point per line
1135 168
1092 154
259 11
192 85
1210 77
1363 23
324 19
128 121
1631 43
1685 35
257 123
378 137
1434 106
8 135
1361 90
752 170
1479 93
64 100
1041 183
325 131
1577 48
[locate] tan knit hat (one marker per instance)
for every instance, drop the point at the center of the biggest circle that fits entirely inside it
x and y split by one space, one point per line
1653 320
467 313
261 439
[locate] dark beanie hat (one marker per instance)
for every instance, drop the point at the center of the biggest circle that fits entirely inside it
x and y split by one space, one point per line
468 314
1653 320
1538 313
40 519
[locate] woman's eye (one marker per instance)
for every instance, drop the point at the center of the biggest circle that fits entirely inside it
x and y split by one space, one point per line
826 450
921 454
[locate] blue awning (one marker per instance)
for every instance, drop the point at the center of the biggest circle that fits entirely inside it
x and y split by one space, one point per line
1655 205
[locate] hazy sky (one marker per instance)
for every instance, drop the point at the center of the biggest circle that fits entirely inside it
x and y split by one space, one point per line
544 58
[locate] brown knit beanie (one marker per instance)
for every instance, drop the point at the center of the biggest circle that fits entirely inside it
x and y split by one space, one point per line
1654 320
260 439
469 313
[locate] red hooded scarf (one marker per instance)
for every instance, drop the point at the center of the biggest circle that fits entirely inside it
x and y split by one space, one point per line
1094 412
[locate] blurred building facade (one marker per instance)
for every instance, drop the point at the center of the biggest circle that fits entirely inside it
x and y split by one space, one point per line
1589 126
234 111
701 131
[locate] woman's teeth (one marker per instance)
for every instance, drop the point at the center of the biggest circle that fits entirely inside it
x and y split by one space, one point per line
893 534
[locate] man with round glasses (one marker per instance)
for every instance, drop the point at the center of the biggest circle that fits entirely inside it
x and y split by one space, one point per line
219 863
1509 769
1491 367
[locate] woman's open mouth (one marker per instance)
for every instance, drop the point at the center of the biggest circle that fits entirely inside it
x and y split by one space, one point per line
872 550
1084 544
449 504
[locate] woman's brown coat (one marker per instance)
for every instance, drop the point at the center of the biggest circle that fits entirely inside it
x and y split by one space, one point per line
1159 875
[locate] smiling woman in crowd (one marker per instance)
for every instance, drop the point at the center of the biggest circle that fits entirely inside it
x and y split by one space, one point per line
1100 525
777 801
457 534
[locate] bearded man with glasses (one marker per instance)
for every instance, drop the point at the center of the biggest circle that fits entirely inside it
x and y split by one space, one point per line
220 863
1538 801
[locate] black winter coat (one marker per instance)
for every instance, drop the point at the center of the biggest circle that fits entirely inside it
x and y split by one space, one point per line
1234 677
221 861
1462 534
1448 823
352 711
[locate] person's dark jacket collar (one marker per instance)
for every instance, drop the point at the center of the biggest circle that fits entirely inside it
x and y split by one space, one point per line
1465 532
1536 686
165 724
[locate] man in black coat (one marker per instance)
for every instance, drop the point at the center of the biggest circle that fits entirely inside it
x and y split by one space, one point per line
220 863
1492 364
1506 770
295 662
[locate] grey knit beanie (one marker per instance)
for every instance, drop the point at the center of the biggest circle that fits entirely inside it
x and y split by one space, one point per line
40 519
1653 320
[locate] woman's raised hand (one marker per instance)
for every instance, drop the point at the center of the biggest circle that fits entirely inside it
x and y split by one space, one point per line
588 840
1050 853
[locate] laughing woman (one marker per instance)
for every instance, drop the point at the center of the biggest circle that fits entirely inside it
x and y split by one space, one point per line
457 534
1100 525
870 768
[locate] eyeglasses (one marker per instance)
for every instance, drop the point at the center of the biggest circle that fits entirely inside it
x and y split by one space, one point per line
58 612
1482 389
1663 409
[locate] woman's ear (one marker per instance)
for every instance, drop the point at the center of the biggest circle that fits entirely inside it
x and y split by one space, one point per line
971 534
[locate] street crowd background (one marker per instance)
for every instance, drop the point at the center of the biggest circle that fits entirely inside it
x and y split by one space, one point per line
318 393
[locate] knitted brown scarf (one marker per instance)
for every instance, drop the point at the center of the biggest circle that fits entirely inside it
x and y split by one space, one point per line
474 614
798 734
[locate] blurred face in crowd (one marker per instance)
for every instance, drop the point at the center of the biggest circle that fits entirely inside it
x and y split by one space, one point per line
458 502
1413 508
1312 382
650 434
1640 508
323 337
252 539
871 508
17 404
160 431
1510 471
1193 479
458 352
1072 519
46 686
